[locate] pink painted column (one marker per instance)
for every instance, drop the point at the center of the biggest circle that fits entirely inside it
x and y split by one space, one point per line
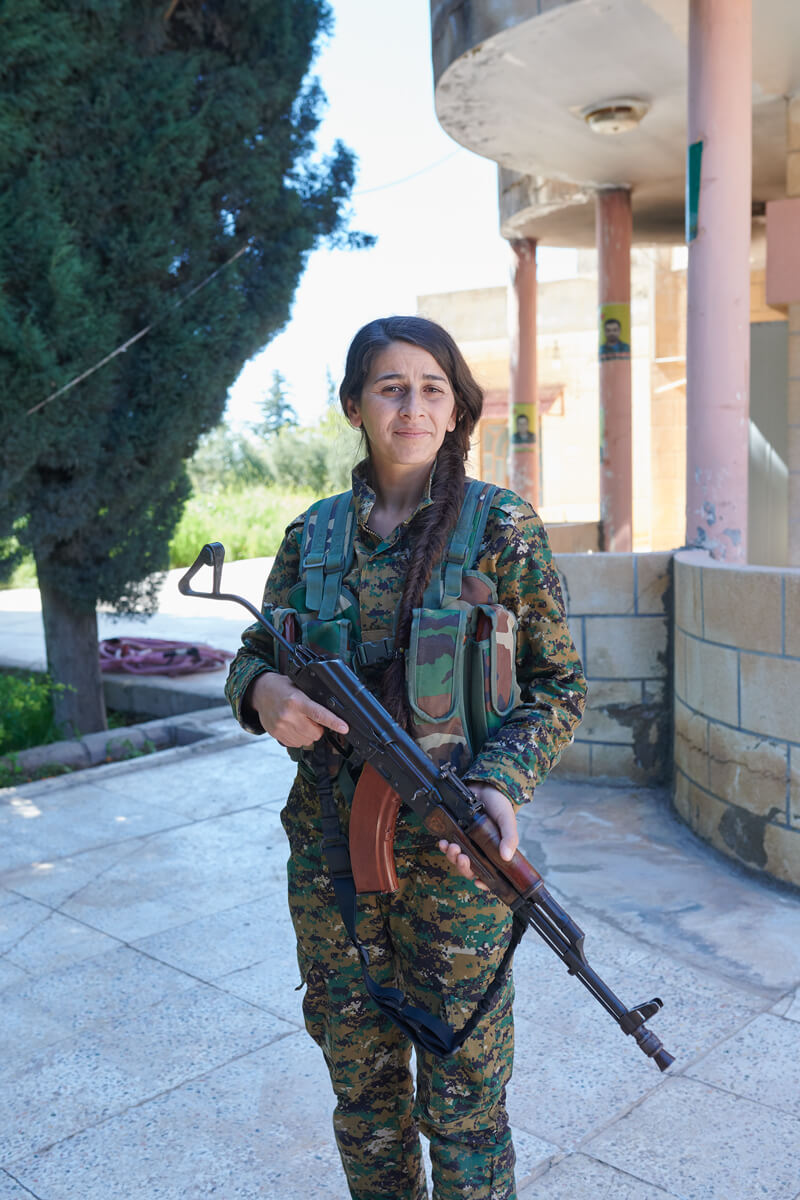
523 450
793 312
614 227
718 313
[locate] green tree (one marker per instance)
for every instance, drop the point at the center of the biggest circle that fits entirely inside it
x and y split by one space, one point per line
143 146
276 411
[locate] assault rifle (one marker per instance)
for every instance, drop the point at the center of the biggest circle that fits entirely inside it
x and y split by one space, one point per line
400 770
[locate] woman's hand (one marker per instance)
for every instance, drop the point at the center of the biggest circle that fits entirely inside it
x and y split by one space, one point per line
502 812
287 713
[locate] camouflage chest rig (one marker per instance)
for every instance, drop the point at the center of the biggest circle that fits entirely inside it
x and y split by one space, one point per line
461 659
461 678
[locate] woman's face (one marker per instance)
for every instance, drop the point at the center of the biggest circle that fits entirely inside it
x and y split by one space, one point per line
406 407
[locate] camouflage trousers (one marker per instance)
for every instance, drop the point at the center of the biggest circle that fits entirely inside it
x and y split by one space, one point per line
438 938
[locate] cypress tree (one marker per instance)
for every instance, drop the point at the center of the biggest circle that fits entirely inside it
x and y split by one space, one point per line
142 145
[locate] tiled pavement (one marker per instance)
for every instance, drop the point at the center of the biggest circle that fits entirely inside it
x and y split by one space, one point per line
151 1041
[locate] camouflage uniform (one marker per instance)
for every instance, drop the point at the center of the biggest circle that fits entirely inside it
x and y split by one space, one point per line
438 937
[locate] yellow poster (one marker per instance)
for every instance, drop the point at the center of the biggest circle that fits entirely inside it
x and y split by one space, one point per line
615 331
523 425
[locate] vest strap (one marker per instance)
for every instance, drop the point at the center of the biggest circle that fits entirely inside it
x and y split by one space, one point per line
463 545
325 560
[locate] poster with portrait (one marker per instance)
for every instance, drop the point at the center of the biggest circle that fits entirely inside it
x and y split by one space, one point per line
523 426
615 331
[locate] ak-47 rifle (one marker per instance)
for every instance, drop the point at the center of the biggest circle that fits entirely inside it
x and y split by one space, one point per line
444 804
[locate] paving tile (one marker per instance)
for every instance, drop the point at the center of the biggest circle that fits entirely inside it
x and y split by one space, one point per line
11 1190
578 1176
705 1144
9 974
229 1134
200 868
228 941
65 1001
82 1080
272 980
64 821
699 1009
532 1153
755 1064
210 784
18 916
582 1064
788 1006
54 940
52 881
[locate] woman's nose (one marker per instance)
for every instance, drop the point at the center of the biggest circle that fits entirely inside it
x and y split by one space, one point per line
412 402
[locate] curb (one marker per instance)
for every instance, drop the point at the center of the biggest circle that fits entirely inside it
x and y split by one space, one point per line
104 752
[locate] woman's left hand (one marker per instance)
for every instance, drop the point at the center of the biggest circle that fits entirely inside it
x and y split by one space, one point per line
502 812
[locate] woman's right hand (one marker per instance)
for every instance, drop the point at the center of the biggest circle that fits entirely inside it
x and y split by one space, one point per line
287 713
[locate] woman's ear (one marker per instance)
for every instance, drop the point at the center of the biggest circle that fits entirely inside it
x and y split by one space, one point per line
455 417
353 413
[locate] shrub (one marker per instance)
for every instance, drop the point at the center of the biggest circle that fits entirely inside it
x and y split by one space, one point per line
26 711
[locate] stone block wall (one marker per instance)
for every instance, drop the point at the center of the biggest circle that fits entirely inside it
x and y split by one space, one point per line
620 617
737 709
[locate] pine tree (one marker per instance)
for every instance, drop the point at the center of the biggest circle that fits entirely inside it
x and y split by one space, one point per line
276 411
142 145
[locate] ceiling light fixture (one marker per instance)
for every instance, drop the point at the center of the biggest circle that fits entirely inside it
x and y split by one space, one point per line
614 116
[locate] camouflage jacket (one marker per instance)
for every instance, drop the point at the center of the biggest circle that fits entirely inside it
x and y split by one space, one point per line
515 555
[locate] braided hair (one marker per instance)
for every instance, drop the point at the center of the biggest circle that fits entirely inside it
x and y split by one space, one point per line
431 527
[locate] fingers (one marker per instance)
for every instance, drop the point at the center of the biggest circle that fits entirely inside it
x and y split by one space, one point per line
303 722
455 856
322 717
288 714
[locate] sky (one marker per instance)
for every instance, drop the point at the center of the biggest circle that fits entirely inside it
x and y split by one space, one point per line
431 204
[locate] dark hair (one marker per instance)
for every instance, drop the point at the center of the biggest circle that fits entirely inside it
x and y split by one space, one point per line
431 528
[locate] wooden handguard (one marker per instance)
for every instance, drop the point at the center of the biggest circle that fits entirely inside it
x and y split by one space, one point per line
508 880
373 817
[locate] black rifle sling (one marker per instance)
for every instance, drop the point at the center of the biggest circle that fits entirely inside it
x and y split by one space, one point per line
426 1031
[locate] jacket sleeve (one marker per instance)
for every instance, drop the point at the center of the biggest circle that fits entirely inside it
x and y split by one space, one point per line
256 654
549 671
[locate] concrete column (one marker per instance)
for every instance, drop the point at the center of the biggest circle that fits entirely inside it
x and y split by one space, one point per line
523 451
613 230
718 303
793 190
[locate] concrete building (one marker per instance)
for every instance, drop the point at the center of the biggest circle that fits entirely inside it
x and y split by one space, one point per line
662 123
567 418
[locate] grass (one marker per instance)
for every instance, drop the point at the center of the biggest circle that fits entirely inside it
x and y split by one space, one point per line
250 523
26 720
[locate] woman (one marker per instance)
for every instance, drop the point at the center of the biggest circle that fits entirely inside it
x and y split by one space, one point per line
440 936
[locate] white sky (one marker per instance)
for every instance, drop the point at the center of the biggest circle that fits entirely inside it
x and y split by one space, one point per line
437 231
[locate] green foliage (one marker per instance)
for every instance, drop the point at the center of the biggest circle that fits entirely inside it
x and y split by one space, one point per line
250 523
226 459
321 457
137 156
246 489
276 411
26 711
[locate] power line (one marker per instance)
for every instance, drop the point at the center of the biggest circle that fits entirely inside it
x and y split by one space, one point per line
124 346
396 182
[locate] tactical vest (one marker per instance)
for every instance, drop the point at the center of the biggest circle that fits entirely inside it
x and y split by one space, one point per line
461 659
